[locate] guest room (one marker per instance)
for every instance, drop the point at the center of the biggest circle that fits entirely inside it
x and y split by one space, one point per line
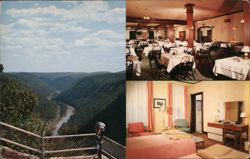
170 119
188 40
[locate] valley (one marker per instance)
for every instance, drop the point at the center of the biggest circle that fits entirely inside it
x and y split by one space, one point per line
73 102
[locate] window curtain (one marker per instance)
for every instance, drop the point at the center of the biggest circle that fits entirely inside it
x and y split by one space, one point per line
150 106
137 102
170 105
178 102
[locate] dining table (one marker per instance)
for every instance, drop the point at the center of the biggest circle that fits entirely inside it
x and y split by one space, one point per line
234 67
172 60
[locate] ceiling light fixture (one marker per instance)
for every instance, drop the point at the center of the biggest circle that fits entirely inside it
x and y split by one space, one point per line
242 21
146 17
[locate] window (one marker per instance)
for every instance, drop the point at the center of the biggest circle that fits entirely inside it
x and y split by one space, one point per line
178 102
137 102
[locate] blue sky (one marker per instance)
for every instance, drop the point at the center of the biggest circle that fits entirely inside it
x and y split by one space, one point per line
62 36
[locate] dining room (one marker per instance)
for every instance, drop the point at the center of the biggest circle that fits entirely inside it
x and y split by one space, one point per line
188 40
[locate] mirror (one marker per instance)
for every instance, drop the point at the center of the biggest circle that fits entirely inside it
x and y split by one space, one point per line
232 111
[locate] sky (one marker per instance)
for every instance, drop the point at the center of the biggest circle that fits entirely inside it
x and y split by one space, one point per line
62 36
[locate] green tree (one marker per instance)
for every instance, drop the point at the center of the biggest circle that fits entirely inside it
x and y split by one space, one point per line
16 103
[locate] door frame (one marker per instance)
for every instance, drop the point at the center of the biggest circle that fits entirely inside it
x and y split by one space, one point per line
193 112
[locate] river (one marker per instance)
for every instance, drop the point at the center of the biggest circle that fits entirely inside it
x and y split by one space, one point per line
64 119
70 111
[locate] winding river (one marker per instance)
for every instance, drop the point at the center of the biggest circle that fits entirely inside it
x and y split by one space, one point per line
70 111
64 119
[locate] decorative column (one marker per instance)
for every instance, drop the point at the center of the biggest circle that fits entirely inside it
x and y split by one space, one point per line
246 17
190 11
170 33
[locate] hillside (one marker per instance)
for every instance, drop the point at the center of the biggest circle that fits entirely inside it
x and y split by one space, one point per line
97 98
45 109
17 104
34 82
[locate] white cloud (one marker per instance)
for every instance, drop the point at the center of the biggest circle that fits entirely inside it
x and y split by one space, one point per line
102 38
51 25
35 11
36 34
108 34
4 29
95 11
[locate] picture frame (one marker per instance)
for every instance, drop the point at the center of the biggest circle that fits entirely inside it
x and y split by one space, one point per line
159 102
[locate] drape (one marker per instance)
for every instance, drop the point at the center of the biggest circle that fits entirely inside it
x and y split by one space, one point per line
178 102
137 102
150 106
170 105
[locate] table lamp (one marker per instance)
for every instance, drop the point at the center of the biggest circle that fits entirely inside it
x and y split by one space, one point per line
243 115
246 50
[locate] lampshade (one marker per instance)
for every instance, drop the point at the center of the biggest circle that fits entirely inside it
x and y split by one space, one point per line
243 115
245 49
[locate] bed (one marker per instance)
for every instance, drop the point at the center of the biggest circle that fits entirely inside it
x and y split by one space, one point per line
158 146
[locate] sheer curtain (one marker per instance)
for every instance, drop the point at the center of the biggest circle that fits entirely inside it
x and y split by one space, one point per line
178 102
137 102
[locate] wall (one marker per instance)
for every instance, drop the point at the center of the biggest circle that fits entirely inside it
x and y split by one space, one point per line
127 33
157 33
216 92
160 90
224 31
180 28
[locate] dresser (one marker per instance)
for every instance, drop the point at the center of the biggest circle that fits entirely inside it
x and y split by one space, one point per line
215 131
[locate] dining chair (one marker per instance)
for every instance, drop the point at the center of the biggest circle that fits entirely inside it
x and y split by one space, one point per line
129 69
230 133
153 56
159 68
178 72
189 71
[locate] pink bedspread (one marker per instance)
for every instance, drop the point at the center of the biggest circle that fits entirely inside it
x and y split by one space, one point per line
158 146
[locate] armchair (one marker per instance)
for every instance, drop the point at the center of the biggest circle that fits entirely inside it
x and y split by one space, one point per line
137 129
182 125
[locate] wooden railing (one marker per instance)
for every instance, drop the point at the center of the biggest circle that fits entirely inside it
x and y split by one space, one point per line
51 146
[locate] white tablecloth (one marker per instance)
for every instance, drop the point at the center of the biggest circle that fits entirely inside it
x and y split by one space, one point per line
147 50
168 45
172 60
177 50
136 64
132 51
233 67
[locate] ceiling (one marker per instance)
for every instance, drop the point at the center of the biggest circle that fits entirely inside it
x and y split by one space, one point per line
175 10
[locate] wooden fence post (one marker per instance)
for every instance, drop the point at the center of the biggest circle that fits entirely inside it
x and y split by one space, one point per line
43 149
